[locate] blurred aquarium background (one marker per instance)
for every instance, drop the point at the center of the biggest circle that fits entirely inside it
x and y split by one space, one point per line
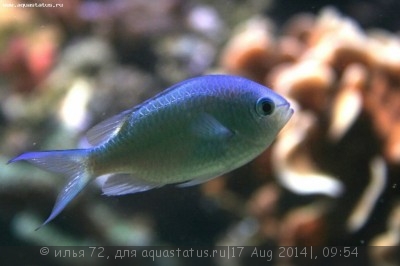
331 177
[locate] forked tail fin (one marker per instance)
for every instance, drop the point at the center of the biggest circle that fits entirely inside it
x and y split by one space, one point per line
71 163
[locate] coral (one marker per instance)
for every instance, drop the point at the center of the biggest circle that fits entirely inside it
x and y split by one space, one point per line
331 177
344 136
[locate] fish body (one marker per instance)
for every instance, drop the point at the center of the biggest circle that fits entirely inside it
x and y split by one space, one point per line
192 132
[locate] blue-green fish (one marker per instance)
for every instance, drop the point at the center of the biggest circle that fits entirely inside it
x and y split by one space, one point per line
192 132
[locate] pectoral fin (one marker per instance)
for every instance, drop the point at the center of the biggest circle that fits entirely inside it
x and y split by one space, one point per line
207 127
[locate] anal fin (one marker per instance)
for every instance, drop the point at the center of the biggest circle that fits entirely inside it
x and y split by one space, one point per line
121 184
194 182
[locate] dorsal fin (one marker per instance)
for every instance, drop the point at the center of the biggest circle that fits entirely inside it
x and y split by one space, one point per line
107 128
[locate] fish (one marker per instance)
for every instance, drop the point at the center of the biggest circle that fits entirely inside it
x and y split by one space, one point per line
194 131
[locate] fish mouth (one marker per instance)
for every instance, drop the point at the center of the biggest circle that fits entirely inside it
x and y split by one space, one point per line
288 111
284 104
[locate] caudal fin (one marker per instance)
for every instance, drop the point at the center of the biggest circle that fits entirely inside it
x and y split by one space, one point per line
71 163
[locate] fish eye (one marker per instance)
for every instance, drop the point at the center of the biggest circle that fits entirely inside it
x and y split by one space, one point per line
265 106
